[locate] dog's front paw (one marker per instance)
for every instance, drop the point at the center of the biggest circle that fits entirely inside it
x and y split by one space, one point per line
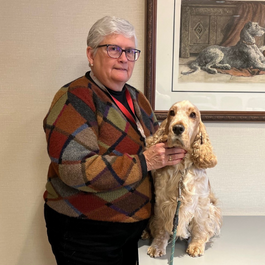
195 250
155 252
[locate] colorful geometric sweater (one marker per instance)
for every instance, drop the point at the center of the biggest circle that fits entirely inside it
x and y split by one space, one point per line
97 170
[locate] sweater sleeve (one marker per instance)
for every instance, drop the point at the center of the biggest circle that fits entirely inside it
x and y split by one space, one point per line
91 146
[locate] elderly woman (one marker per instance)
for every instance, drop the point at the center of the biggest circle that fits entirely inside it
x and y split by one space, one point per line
98 194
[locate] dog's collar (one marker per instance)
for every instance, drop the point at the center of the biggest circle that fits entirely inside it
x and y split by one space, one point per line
248 43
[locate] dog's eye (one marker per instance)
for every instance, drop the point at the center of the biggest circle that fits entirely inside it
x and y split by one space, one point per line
172 113
193 115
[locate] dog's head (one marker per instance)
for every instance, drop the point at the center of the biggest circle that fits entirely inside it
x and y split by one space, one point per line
182 124
254 29
183 128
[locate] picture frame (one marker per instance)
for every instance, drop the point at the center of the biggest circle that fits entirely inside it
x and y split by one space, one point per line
152 72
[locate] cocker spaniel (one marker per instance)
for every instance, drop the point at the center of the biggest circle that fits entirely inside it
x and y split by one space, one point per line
199 216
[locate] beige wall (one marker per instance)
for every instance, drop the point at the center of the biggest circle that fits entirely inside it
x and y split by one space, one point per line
42 48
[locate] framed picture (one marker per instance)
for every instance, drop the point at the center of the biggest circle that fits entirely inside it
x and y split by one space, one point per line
178 32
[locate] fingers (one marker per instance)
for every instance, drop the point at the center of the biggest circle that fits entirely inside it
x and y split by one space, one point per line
159 156
175 154
176 157
175 150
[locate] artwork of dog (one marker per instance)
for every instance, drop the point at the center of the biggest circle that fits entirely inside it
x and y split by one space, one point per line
199 216
245 54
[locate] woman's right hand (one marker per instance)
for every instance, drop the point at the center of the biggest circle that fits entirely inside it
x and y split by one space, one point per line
158 156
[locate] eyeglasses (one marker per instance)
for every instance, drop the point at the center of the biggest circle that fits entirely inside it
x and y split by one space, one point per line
115 51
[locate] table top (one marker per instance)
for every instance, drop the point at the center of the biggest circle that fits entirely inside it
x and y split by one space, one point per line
242 241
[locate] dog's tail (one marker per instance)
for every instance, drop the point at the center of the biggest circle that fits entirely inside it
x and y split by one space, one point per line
194 68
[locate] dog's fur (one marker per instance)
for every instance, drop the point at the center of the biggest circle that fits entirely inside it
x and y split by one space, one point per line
245 54
199 217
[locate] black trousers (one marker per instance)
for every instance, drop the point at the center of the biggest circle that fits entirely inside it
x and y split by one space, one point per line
86 242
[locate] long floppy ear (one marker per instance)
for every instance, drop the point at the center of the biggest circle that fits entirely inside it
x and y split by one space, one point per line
202 150
159 136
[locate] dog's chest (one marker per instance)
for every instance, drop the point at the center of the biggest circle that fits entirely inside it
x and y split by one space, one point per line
167 179
251 50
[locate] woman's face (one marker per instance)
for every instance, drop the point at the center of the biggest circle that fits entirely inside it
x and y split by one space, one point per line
113 73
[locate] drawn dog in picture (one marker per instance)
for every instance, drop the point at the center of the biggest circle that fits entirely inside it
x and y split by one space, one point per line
199 216
245 54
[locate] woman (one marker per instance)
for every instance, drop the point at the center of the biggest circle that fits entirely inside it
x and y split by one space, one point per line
98 193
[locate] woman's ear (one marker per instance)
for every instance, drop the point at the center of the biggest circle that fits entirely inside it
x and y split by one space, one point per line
90 56
202 150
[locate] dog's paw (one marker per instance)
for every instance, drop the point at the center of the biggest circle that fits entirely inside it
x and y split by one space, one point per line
156 252
209 70
224 66
195 250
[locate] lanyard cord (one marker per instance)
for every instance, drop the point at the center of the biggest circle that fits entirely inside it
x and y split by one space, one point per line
118 103
123 108
176 218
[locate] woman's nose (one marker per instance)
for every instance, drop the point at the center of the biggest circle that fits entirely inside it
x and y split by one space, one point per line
123 57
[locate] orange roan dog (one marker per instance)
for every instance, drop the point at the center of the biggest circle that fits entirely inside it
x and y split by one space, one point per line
199 217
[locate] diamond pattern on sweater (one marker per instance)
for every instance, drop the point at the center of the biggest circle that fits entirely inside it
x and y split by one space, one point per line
97 168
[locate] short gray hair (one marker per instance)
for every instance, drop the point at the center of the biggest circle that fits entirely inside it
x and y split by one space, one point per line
109 25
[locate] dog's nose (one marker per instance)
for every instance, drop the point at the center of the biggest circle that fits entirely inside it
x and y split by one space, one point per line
178 129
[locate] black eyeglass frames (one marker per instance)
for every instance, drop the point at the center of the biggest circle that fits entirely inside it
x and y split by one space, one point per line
115 51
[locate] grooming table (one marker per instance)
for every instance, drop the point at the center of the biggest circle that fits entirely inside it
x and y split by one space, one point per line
242 242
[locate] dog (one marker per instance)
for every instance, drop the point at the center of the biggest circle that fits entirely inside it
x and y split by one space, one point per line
199 216
245 54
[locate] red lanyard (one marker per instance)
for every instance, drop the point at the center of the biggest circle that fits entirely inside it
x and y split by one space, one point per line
123 109
120 105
